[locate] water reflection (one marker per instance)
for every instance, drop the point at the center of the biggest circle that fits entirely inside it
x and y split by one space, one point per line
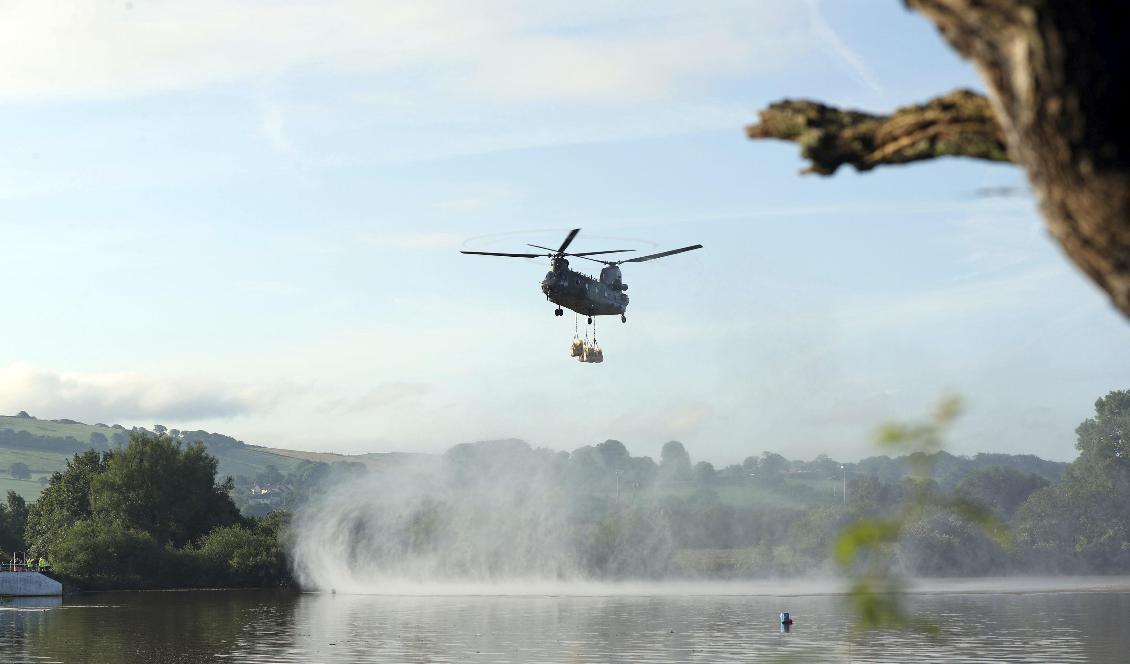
30 603
257 626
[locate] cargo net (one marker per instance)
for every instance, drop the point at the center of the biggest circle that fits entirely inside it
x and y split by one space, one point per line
583 349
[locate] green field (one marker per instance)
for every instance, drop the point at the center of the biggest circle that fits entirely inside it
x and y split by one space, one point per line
40 463
29 489
80 432
250 461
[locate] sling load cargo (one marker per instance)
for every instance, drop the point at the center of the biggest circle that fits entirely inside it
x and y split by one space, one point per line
583 349
586 351
592 353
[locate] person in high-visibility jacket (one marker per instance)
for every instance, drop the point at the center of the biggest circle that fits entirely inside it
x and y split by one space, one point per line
42 564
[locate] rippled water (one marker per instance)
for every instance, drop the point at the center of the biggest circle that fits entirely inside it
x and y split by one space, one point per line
1017 621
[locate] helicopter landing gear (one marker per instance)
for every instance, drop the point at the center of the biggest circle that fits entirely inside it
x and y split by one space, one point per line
590 320
558 312
623 318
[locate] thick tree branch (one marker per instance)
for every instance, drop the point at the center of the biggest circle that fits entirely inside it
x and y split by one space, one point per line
960 124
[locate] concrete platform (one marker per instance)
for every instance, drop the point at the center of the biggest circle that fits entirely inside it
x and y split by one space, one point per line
28 584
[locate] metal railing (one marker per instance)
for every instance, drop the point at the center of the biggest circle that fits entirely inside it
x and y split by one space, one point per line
24 567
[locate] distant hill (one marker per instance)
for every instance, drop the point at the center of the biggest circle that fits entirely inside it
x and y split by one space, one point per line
372 460
948 469
46 445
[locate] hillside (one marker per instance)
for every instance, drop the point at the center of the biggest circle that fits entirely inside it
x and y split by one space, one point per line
46 445
371 460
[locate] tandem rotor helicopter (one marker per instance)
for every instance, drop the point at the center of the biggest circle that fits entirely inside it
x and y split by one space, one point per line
581 293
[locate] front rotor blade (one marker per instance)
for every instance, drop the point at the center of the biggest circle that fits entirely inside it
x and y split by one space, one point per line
649 257
538 246
568 240
495 253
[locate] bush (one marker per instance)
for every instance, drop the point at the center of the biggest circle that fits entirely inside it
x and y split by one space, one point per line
240 556
97 554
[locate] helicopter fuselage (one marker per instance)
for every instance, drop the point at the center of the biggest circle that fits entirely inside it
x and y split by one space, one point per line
583 294
570 289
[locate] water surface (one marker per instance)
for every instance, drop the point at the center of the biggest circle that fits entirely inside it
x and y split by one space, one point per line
1012 621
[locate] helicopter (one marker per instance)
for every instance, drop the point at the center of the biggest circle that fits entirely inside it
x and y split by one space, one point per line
581 293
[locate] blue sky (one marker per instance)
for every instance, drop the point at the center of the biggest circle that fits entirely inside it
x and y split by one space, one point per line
246 218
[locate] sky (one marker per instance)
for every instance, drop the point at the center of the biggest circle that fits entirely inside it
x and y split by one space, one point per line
246 218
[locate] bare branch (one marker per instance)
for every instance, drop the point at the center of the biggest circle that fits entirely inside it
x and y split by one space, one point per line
960 124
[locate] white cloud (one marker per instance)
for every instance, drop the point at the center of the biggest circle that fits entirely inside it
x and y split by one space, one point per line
495 49
472 203
270 287
841 52
674 419
272 123
409 240
128 396
387 394
961 300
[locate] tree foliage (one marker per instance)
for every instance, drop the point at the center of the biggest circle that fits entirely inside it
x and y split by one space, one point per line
164 488
64 501
97 552
13 520
151 515
1000 489
1102 439
675 462
1081 524
246 554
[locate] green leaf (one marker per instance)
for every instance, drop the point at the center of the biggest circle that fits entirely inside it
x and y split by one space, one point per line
862 535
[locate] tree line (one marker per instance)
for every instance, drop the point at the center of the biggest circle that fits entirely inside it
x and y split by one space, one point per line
152 514
149 515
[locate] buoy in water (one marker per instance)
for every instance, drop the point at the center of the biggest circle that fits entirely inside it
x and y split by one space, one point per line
785 618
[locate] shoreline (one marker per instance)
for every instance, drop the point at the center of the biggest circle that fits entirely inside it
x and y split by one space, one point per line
830 587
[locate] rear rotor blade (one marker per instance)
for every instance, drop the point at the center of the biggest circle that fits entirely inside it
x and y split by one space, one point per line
595 260
568 240
649 257
495 253
596 253
585 253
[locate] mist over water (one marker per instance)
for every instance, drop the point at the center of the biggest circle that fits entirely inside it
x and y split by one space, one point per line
498 514
501 518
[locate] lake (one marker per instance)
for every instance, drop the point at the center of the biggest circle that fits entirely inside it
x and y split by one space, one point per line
1006 620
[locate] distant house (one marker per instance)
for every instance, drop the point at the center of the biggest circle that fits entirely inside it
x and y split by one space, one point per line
274 495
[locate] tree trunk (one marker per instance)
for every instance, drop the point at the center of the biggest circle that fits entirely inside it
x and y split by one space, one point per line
1058 73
